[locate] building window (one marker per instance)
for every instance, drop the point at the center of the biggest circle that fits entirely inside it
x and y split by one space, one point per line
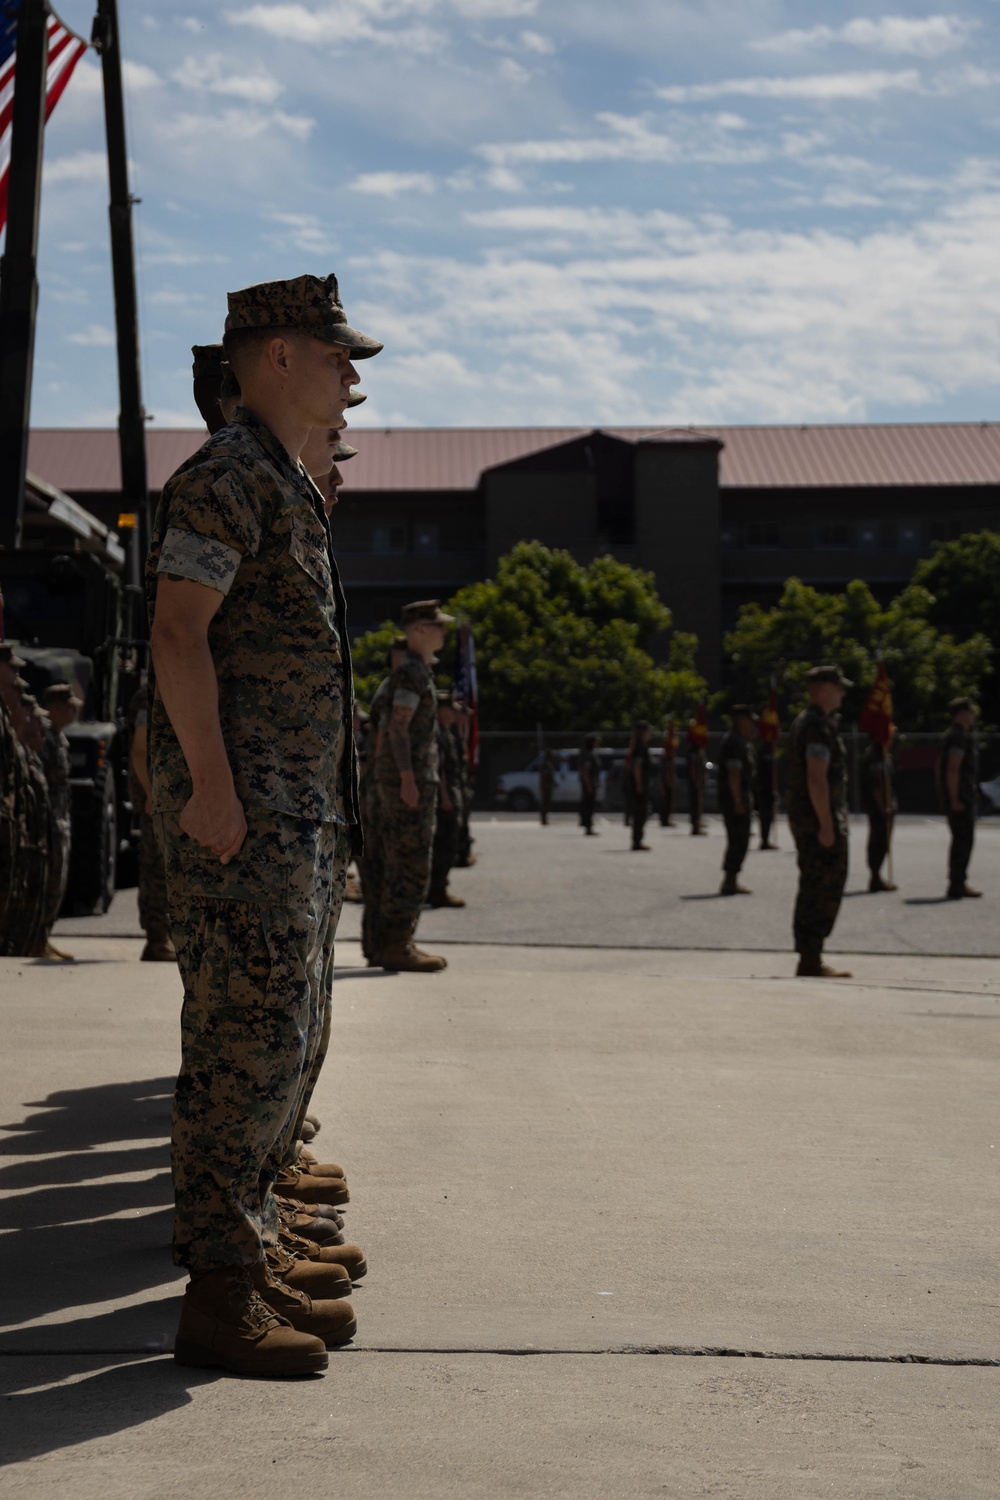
944 531
425 540
869 536
833 534
762 534
910 536
389 539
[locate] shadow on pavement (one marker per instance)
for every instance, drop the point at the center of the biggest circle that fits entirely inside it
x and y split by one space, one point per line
78 1410
925 900
83 1232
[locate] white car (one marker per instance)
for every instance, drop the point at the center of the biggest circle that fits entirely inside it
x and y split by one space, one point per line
991 791
520 791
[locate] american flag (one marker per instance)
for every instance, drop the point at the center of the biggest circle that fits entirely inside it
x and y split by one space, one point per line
65 51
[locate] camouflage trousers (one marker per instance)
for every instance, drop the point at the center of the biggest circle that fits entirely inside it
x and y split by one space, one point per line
398 848
154 912
58 871
444 855
696 804
879 832
963 833
737 842
822 877
254 943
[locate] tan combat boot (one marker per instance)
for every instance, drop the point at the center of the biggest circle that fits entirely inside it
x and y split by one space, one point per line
291 1183
731 887
405 956
350 1257
319 1279
225 1325
444 898
333 1322
306 1162
811 966
159 949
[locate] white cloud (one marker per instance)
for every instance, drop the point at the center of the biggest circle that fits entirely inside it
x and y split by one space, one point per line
94 336
514 72
630 138
303 232
391 184
819 87
926 36
232 127
669 318
213 74
533 41
82 166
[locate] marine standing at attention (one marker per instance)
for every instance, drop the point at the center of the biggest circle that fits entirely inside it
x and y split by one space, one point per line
254 789
403 797
737 770
817 815
958 778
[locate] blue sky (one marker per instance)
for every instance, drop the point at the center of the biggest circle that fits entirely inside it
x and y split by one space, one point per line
551 211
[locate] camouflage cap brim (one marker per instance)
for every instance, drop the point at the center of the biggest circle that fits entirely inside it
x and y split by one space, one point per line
357 397
360 345
343 452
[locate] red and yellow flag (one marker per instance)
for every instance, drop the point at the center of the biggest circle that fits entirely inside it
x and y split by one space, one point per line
877 717
670 738
698 728
770 721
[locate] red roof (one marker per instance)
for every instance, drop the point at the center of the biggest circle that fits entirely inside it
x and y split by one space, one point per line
452 458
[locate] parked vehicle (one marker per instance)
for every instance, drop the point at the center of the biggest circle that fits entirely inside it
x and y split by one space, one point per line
520 791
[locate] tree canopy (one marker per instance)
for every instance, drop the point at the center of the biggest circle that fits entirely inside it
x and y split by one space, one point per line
963 577
926 665
563 644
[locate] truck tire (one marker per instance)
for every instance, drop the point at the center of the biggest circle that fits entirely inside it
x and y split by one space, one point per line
521 800
94 854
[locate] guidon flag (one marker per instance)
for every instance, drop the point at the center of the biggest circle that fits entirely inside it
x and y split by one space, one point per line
876 719
769 727
698 730
65 51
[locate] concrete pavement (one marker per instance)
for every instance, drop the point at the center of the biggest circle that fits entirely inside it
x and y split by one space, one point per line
611 1160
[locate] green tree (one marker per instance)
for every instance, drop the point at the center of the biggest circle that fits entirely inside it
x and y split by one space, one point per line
963 578
926 666
561 644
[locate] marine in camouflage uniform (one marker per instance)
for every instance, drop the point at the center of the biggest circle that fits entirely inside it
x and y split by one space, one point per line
444 854
590 776
668 777
817 761
958 783
737 763
39 832
154 906
404 796
639 769
376 722
878 778
696 788
13 775
254 936
62 706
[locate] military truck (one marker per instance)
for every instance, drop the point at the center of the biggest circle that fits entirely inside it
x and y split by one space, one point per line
72 607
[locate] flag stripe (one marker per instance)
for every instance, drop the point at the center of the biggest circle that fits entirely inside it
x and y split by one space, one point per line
65 51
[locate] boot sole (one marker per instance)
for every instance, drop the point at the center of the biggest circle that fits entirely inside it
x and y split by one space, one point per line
200 1358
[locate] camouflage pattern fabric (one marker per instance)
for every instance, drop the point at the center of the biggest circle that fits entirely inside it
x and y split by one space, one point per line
465 839
667 790
764 790
55 760
696 786
877 768
444 854
154 913
822 872
963 834
9 842
240 517
737 841
398 864
254 943
36 857
412 684
311 303
736 753
960 742
822 877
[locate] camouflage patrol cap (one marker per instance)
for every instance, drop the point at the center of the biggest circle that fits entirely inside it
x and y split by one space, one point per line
828 673
310 303
62 692
343 452
206 361
229 386
357 397
426 609
399 643
963 705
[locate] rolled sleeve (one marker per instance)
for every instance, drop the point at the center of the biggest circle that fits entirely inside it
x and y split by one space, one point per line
817 751
403 698
200 558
